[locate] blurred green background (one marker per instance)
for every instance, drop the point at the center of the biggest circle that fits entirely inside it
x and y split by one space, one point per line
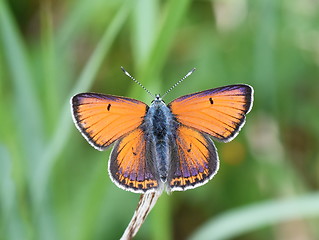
54 185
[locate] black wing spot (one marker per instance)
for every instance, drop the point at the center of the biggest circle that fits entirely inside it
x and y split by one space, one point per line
190 148
134 153
108 107
211 101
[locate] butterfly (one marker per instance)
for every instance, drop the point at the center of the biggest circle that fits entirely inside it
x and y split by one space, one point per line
162 146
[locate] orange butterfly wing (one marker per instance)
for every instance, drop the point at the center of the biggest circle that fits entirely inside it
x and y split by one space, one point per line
102 119
130 166
195 160
219 112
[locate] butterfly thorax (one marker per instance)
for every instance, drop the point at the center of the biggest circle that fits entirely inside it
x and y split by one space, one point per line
159 128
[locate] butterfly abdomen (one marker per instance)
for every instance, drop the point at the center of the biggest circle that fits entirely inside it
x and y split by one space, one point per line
159 131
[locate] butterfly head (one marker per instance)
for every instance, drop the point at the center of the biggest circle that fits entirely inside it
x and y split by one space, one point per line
158 100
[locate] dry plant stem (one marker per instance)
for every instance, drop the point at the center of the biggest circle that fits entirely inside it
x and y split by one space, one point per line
145 205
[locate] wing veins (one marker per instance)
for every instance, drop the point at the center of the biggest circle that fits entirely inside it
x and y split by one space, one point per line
94 115
120 150
189 157
102 129
103 111
228 114
203 155
218 120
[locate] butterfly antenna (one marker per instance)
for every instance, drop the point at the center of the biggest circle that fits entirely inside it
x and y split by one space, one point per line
187 75
129 75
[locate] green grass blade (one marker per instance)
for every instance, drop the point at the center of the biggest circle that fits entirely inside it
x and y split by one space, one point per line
25 95
12 226
48 56
162 216
264 54
145 19
175 12
85 80
245 219
80 13
90 201
152 61
43 169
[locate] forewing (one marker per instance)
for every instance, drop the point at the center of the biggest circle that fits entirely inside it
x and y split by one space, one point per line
195 160
219 112
102 119
130 166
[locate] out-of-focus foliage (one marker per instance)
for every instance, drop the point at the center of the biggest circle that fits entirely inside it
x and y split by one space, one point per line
53 185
